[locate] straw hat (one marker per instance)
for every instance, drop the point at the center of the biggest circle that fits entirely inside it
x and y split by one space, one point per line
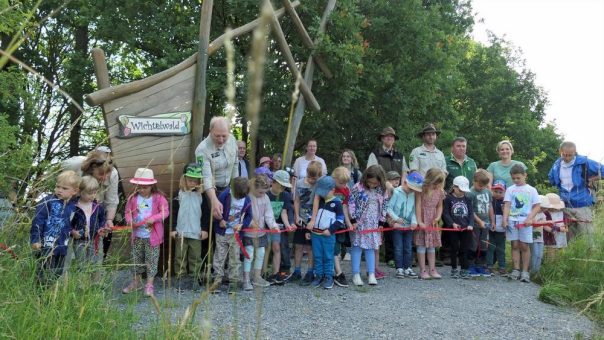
555 201
544 202
265 160
143 176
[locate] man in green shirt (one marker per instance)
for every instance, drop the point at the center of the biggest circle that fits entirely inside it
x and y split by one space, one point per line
458 163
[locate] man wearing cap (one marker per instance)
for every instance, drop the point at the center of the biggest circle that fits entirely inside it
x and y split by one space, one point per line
243 166
458 163
427 156
217 154
573 175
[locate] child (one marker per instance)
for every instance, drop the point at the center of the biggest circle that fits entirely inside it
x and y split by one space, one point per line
50 228
367 212
393 179
458 213
496 251
429 208
88 227
303 201
188 233
281 203
538 236
484 217
401 213
342 177
330 217
146 210
256 242
521 206
555 236
236 214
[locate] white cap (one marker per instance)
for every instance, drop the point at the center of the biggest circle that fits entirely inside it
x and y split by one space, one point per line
462 183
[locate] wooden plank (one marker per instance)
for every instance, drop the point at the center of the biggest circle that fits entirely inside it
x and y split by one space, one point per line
100 68
294 127
114 92
178 147
291 63
149 141
306 40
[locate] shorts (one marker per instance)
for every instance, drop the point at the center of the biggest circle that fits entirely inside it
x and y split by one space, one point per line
274 237
261 241
300 237
523 234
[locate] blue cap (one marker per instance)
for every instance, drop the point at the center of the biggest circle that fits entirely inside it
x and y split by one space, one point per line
264 171
325 184
415 181
498 184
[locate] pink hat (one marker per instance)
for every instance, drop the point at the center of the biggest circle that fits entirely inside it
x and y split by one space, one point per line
264 160
143 176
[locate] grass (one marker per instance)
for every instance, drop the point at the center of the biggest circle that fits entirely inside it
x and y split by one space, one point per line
576 276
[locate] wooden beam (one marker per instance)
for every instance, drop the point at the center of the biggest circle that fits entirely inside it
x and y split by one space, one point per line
114 92
198 111
301 105
291 63
306 40
100 68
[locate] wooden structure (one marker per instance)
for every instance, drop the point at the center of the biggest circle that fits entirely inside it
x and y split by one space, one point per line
181 89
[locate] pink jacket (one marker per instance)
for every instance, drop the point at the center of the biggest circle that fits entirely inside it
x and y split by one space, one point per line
160 212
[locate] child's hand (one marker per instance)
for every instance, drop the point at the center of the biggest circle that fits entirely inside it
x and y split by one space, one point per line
397 225
435 224
326 232
75 234
104 231
470 228
237 227
299 221
173 234
231 218
353 226
310 224
456 226
223 224
204 235
413 227
421 225
528 222
36 246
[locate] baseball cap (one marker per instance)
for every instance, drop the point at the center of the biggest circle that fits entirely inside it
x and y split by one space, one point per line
282 177
462 183
498 184
325 184
415 181
193 170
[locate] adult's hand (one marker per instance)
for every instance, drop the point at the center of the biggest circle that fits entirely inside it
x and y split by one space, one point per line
216 208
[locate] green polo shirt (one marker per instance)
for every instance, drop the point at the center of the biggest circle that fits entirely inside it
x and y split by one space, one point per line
454 169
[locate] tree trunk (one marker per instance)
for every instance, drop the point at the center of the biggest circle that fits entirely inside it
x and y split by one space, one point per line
78 90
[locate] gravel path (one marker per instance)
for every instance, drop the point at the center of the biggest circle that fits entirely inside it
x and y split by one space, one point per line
483 308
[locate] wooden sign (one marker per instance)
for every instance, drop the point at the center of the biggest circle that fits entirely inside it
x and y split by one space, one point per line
166 124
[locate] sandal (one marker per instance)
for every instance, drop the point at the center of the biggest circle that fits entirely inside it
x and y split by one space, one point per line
435 275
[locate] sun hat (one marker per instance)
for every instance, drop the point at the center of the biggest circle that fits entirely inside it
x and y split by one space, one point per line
544 202
387 131
325 184
498 184
392 175
282 177
462 183
415 181
265 160
555 201
143 176
428 128
264 171
193 170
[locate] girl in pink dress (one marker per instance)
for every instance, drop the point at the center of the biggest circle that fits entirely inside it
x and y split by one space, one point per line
428 209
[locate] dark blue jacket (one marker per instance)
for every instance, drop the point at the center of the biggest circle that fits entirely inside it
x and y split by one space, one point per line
97 220
225 199
52 223
329 216
582 170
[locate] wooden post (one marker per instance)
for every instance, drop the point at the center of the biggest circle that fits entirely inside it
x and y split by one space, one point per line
301 105
102 78
199 94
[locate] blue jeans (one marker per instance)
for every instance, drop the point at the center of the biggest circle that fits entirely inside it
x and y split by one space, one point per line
322 252
355 254
403 252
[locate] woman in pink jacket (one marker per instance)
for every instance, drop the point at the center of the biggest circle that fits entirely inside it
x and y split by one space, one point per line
146 210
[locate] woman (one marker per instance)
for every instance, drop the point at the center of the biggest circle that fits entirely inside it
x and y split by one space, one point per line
302 162
501 169
349 161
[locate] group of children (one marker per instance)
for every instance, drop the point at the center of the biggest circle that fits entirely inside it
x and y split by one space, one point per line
326 217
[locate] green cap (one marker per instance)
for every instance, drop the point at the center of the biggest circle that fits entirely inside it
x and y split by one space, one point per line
193 170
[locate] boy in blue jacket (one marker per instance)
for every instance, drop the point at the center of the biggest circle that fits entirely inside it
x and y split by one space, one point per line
49 233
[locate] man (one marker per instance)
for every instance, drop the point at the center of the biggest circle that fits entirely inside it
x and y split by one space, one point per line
459 164
386 156
573 175
427 156
217 154
243 165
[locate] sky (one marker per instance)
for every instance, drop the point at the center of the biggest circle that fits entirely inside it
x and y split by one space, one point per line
563 44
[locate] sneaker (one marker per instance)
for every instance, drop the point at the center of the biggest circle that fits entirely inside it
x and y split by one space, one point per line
260 282
464 274
424 275
379 274
474 272
525 277
372 280
317 281
356 279
400 273
275 280
391 264
410 273
295 277
485 272
515 274
340 280
328 282
502 272
283 276
247 285
149 289
455 273
435 275
132 287
308 279
233 288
